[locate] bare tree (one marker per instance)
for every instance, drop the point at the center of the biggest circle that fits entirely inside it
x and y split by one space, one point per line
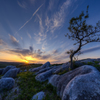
82 33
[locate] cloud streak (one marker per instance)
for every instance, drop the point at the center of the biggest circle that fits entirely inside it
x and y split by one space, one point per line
58 18
91 49
30 18
22 5
14 41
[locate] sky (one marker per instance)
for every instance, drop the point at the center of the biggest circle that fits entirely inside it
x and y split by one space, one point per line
33 31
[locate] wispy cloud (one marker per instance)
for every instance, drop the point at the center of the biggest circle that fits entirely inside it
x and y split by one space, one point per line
29 35
22 5
58 18
2 42
14 41
22 52
30 18
91 49
40 23
32 1
55 51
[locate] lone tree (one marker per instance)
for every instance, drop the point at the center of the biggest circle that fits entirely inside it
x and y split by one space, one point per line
82 33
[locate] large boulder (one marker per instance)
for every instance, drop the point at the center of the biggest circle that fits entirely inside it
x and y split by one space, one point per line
44 76
35 69
1 70
6 84
82 83
54 79
46 65
39 96
12 73
62 68
43 70
8 68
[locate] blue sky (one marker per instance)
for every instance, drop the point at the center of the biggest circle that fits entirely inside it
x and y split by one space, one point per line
34 30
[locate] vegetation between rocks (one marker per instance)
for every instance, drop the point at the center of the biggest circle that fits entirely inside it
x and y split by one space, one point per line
29 87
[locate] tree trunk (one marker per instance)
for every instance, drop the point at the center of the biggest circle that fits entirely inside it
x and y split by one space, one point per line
71 62
72 55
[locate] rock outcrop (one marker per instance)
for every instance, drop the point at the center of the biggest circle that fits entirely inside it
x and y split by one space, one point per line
12 73
46 65
8 68
6 84
39 96
82 83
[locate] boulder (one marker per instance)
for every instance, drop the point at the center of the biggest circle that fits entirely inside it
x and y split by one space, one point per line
6 84
62 68
25 70
44 76
78 64
82 83
39 96
1 70
54 80
87 60
43 70
12 73
35 69
8 68
46 65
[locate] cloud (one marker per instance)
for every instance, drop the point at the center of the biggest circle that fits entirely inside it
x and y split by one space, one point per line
2 42
29 35
14 41
55 51
58 18
22 5
40 22
91 49
32 1
23 52
39 37
30 18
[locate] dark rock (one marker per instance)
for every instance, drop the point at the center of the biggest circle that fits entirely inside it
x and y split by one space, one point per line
44 76
46 65
12 73
6 84
62 68
7 68
25 70
39 96
54 79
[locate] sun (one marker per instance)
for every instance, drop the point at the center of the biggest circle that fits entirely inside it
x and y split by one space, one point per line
26 61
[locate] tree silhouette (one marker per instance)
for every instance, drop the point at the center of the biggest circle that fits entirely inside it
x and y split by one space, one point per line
82 33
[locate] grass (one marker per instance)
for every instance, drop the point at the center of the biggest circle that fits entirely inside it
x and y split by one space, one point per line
29 87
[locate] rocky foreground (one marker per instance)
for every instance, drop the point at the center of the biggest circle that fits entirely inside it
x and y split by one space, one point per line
82 83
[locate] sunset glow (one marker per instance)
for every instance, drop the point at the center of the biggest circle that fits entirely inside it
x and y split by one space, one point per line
33 31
